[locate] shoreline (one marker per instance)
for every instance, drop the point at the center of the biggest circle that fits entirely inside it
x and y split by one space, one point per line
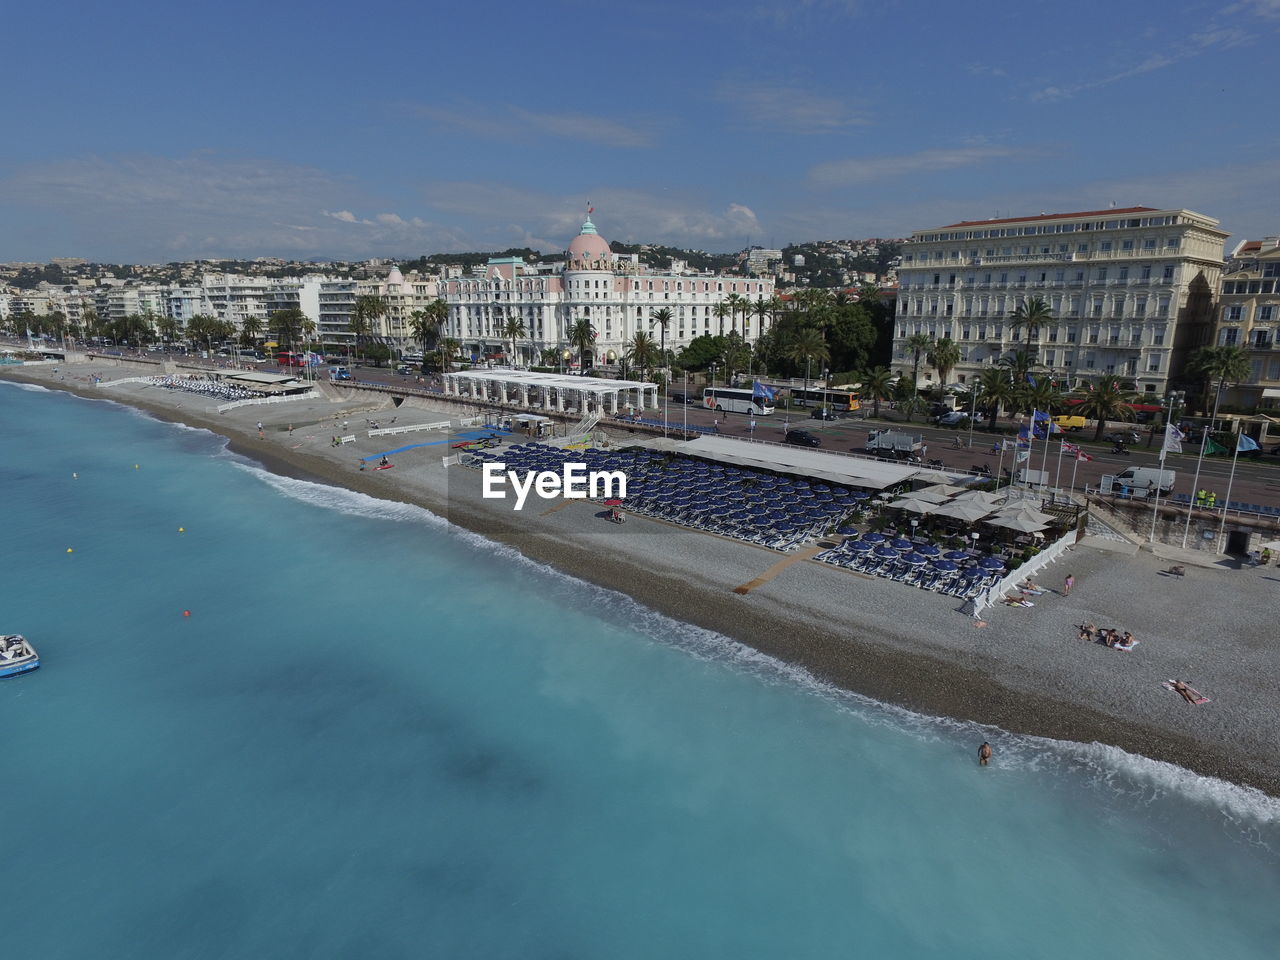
872 655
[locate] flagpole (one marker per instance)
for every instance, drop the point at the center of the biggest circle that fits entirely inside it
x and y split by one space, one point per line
1075 462
1195 484
1222 525
1155 506
1057 474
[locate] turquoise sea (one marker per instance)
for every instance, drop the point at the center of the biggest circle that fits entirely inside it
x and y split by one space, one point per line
377 738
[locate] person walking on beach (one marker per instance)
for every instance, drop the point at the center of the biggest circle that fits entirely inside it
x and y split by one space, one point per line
984 754
261 435
1067 585
291 429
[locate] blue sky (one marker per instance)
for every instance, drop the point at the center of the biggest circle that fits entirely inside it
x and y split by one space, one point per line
147 132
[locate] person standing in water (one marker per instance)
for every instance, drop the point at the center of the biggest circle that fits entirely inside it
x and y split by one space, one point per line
984 754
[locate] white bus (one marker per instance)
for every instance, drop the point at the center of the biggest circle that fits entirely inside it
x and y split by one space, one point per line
728 400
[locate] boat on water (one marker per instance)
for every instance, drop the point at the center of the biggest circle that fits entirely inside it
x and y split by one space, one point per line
16 655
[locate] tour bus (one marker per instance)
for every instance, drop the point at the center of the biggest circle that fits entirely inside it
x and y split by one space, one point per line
837 398
728 400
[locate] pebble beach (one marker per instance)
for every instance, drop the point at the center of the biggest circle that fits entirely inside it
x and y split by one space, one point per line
1019 669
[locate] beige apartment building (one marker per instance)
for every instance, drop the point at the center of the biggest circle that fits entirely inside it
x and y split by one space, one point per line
1249 317
1131 291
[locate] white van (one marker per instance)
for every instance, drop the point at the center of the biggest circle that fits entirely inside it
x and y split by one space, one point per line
1144 478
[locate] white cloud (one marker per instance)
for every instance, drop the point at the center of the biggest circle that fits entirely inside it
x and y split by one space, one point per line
515 124
788 108
855 170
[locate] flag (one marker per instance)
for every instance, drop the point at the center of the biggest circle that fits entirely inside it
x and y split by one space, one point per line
1031 380
1024 437
1246 443
1173 438
1069 447
1082 456
760 392
1210 448
1023 456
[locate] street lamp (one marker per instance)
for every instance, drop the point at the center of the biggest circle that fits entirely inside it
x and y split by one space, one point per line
973 408
713 374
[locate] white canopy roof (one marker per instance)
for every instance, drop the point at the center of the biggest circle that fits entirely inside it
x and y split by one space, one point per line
833 468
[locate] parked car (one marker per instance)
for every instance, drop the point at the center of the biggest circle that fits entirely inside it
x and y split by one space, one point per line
823 413
682 398
956 416
803 438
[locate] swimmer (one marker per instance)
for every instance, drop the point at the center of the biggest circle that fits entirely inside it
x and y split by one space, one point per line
984 754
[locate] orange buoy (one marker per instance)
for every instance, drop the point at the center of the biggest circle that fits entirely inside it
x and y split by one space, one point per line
186 613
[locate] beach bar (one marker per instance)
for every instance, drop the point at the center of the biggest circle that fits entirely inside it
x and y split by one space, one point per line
551 392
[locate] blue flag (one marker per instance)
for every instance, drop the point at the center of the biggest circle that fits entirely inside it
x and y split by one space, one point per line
1031 380
760 392
1246 443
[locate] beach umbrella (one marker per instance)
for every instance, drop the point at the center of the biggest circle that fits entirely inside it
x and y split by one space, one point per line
973 572
860 495
901 543
978 496
968 511
915 559
991 563
928 495
945 565
956 555
1016 522
886 552
913 505
945 490
874 537
928 550
858 546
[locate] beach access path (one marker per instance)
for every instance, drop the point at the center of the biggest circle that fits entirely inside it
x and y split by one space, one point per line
1022 669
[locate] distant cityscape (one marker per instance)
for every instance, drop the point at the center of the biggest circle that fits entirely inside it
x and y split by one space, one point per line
1130 293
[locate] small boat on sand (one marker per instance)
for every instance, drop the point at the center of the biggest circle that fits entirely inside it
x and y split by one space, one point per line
16 655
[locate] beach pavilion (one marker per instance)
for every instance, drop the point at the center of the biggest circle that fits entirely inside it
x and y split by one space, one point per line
551 391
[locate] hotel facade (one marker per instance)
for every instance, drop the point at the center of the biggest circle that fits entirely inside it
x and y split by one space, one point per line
617 294
1131 292
1249 317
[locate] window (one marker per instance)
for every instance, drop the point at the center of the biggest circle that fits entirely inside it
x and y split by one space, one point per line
1229 337
1157 337
1266 314
1079 276
1271 270
1149 243
1126 245
1105 246
1168 272
1173 243
1124 273
1082 248
1146 273
1102 273
1060 276
1232 314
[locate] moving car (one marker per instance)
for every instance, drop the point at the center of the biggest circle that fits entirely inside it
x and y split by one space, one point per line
823 413
1123 437
803 438
955 417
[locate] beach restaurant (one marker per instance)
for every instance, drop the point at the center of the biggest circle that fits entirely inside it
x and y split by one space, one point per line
551 391
263 382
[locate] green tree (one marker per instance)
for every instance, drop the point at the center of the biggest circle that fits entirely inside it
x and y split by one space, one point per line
513 329
1224 364
583 336
996 390
251 330
642 353
1019 364
877 385
918 344
701 352
720 311
908 399
943 356
1031 314
806 347
1105 400
449 348
364 314
662 317
286 326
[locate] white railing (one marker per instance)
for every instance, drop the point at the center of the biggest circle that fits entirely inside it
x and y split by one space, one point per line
116 383
252 401
1010 581
470 421
409 428
452 460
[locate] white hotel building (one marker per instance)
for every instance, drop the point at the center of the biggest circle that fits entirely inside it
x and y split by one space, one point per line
1131 291
616 293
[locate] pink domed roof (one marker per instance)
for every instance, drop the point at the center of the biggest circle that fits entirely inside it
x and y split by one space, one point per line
589 245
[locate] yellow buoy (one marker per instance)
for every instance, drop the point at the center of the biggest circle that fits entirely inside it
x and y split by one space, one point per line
182 529
135 466
68 549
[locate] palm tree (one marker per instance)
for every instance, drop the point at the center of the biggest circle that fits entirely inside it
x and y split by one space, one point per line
448 348
807 346
1225 364
662 317
943 357
250 330
1031 314
877 384
513 329
765 308
286 325
996 390
368 308
583 336
1105 401
918 344
721 310
908 399
641 352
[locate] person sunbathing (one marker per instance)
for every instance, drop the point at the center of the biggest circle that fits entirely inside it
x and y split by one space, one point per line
1018 601
1030 586
1087 631
1187 693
